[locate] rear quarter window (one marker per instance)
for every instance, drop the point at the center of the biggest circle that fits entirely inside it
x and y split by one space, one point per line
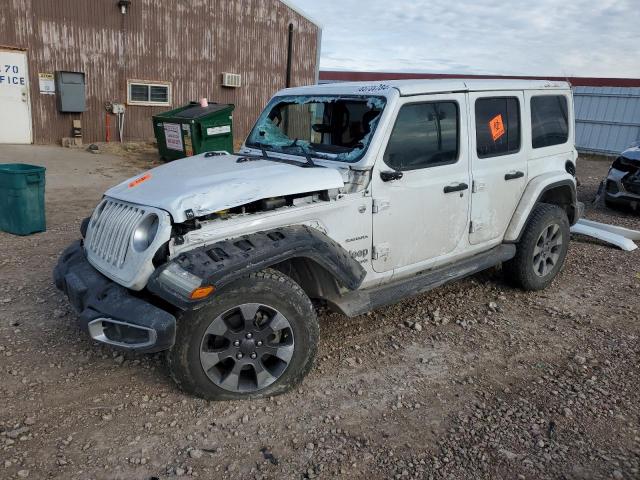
549 120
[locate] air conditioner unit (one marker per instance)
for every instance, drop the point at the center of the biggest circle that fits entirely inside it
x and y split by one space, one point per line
232 80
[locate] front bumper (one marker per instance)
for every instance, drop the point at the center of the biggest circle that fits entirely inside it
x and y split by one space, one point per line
622 188
110 313
629 200
615 193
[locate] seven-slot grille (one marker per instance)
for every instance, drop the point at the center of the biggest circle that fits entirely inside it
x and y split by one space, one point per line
110 232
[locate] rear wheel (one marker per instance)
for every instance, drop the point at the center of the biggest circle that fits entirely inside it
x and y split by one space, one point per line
542 249
259 339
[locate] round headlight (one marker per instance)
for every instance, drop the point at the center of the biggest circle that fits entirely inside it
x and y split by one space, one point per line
145 233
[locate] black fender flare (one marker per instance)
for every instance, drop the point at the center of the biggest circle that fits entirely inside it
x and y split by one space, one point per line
222 263
575 206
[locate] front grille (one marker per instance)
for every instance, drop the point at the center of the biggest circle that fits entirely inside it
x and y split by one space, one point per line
111 229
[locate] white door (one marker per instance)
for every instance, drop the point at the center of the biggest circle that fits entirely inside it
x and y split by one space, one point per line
15 108
499 162
421 185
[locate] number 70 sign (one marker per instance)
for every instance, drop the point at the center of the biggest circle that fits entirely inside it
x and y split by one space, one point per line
10 75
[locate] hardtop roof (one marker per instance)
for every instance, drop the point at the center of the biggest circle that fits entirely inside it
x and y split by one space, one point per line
424 87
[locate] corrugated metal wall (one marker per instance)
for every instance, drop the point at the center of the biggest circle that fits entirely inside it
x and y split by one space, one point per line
189 43
607 119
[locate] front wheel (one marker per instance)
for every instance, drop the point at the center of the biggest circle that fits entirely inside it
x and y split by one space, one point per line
257 340
542 249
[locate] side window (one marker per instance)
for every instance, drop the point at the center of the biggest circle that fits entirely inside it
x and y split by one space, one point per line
549 120
497 126
425 135
145 93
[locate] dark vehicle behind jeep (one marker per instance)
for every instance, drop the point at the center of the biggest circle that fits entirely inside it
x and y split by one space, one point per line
622 186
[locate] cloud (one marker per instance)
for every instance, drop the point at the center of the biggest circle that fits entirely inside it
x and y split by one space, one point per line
544 37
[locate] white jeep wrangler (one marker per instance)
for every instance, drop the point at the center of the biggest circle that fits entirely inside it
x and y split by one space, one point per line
353 195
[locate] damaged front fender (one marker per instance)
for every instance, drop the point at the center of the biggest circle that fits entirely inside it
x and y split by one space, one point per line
222 263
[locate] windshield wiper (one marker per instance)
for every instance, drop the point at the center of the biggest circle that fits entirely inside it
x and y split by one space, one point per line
306 154
248 157
310 161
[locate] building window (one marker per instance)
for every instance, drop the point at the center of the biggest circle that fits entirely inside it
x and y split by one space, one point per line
497 126
425 135
147 93
549 120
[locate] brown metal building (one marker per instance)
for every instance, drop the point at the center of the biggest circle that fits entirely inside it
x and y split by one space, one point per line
149 55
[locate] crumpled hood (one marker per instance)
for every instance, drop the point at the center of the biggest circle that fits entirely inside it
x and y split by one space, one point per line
632 153
208 185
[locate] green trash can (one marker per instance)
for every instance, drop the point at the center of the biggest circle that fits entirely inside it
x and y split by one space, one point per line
193 129
22 198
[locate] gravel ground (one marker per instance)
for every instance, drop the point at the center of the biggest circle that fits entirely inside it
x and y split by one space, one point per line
472 381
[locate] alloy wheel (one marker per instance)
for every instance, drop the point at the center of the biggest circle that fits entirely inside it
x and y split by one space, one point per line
547 250
247 348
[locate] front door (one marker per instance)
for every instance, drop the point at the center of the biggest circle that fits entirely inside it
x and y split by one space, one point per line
421 185
15 109
499 162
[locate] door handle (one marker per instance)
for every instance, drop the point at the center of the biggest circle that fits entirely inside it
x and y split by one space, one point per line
513 176
459 187
391 176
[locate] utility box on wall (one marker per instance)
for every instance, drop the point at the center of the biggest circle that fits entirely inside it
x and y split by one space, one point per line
71 91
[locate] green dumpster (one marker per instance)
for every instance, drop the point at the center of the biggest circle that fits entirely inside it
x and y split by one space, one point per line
22 198
193 129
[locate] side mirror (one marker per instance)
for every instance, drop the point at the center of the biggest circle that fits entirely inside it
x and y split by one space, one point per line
391 176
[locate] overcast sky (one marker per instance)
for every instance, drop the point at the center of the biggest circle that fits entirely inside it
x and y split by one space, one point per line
508 37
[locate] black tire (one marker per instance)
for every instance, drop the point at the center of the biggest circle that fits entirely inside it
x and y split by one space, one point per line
274 292
538 261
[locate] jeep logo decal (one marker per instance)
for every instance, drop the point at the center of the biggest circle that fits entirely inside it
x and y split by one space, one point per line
364 253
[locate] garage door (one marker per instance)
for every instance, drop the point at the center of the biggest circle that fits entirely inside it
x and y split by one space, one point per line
15 108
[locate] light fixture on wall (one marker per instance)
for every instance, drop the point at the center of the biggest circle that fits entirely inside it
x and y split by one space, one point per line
124 5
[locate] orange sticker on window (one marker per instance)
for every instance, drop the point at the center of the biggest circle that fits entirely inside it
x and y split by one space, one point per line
496 125
140 180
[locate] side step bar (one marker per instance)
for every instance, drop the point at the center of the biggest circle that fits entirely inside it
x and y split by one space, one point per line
622 238
359 302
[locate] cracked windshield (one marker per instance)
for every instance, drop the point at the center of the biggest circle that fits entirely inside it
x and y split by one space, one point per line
332 128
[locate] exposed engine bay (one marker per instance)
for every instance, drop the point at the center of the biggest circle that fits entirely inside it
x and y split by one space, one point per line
256 207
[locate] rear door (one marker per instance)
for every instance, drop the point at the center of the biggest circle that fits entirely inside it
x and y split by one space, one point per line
499 162
421 183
